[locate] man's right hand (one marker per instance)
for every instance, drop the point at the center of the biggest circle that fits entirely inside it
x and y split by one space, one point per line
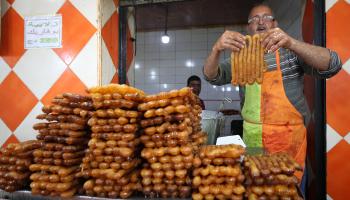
230 40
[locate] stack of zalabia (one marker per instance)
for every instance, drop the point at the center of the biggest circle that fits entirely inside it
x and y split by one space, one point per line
271 177
111 162
248 65
198 137
65 136
169 121
15 160
217 173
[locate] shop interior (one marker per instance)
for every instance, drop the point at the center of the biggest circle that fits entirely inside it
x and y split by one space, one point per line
171 40
193 27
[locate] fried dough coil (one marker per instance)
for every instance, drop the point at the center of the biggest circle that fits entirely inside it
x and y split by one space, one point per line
255 51
240 67
250 62
248 65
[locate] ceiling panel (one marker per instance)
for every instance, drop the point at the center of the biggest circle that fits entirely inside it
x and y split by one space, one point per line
192 13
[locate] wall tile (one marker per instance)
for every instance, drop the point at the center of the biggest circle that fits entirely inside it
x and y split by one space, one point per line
167 47
151 88
167 87
167 55
199 31
139 63
140 76
172 34
216 30
169 71
151 64
182 71
183 46
214 36
199 46
211 105
5 132
199 37
151 37
149 55
152 79
200 54
43 7
181 79
140 38
151 71
198 71
181 62
151 48
182 36
140 54
204 92
216 94
168 79
183 54
198 62
210 45
167 63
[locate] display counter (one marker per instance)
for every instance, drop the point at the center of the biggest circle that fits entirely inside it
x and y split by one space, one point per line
27 195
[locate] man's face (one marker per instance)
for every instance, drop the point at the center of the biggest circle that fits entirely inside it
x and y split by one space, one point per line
261 20
196 87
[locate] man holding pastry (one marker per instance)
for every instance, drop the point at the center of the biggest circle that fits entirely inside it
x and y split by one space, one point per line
269 65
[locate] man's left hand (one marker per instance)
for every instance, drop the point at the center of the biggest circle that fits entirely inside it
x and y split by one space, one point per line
275 38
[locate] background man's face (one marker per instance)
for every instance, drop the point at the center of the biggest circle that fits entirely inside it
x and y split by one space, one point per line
196 87
261 26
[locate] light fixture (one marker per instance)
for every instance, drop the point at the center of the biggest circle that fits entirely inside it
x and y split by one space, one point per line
189 63
165 37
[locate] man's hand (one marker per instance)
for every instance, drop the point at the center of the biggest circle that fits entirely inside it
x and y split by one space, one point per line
230 40
276 38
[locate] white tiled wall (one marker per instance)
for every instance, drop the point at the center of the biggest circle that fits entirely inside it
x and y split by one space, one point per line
162 67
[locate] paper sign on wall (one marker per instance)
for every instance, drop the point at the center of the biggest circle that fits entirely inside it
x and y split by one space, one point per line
43 32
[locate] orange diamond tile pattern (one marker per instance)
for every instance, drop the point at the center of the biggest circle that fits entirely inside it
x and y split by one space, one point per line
11 139
12 37
68 82
11 1
338 108
338 175
116 3
77 31
16 101
115 78
110 35
337 33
